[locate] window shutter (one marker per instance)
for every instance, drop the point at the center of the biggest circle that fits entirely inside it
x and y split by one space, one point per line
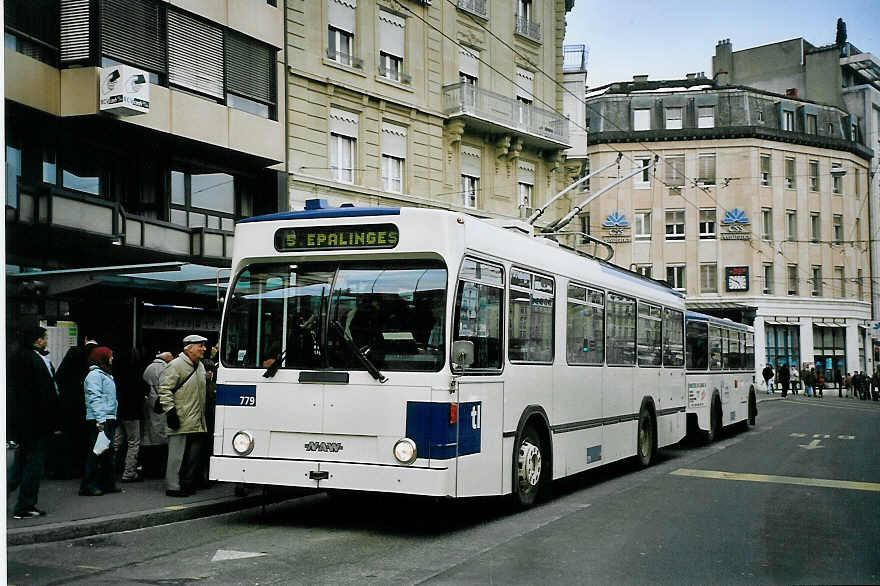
343 122
132 32
779 116
675 170
74 30
394 140
250 65
195 54
468 62
341 14
392 33
525 84
470 161
526 173
707 168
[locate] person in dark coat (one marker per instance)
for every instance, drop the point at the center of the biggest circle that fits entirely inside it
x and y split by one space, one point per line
130 394
210 405
70 376
33 404
767 373
783 377
839 380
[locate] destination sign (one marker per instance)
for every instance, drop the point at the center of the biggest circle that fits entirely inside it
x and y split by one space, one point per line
336 237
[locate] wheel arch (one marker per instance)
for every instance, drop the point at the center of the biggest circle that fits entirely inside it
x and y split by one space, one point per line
533 415
648 405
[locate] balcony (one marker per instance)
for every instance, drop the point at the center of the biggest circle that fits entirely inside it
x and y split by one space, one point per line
528 29
392 74
346 59
490 112
475 7
574 59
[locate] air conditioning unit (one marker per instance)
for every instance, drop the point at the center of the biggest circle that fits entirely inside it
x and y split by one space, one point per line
124 91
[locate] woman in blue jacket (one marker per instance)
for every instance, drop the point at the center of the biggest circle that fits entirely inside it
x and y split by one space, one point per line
100 390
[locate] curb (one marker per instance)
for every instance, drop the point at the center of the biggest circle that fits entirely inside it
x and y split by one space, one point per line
135 520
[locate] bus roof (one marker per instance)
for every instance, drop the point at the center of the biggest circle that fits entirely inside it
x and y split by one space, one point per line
342 212
695 316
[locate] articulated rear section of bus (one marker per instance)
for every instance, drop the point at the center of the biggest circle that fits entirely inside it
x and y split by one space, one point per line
334 375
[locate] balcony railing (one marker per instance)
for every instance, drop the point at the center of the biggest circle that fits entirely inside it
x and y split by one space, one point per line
461 99
528 29
574 58
397 76
345 59
477 7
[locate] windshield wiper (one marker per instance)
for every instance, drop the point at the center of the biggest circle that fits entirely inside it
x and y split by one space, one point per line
273 368
371 368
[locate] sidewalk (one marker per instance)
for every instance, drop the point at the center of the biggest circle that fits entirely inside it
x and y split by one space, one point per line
141 504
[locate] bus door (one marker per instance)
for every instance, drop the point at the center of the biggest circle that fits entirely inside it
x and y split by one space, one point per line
480 409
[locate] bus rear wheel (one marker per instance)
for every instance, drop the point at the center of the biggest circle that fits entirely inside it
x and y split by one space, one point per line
530 472
714 421
753 408
645 440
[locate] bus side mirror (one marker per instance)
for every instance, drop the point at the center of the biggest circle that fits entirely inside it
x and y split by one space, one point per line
462 353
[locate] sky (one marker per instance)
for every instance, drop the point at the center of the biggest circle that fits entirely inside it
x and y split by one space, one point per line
667 38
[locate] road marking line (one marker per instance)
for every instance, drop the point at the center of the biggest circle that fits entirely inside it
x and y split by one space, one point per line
230 554
89 568
865 409
813 445
846 437
174 507
798 435
798 481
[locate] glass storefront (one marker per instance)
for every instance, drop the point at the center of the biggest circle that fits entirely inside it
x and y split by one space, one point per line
829 350
783 345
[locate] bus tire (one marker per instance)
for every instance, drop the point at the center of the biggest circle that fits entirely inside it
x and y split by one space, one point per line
714 421
646 440
753 407
531 471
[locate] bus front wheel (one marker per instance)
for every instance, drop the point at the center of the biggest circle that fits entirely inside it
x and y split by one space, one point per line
645 438
530 468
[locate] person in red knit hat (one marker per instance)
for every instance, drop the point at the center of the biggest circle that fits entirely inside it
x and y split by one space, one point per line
100 390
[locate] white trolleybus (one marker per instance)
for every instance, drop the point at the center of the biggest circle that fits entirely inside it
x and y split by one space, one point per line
720 374
433 353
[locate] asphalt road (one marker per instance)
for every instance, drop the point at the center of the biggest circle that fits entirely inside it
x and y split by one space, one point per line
794 500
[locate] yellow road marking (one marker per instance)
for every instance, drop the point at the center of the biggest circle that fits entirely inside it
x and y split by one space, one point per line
821 482
174 507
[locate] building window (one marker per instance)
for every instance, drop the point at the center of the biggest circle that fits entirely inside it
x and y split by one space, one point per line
525 24
643 179
706 169
857 178
390 66
766 224
766 178
706 117
829 346
468 69
644 270
642 225
836 180
642 119
783 345
393 156
816 271
675 277
707 224
202 199
525 195
392 45
860 284
709 278
470 175
470 186
526 185
829 129
768 278
788 120
585 226
790 225
675 225
840 281
339 46
342 150
759 116
673 118
815 226
837 228
13 175
392 174
675 171
792 279
812 125
789 173
814 175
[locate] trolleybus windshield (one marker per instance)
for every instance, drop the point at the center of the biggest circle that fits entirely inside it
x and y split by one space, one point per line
306 314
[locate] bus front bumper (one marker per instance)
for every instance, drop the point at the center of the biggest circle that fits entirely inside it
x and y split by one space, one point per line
335 475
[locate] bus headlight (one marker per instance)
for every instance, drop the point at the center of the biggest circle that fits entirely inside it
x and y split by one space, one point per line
243 443
405 451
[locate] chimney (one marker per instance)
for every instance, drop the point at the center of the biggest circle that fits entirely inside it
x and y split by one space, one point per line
722 62
640 78
690 76
791 92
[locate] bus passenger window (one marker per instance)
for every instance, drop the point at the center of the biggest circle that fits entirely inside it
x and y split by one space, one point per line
715 352
530 331
478 312
585 326
621 334
749 352
649 346
697 345
673 338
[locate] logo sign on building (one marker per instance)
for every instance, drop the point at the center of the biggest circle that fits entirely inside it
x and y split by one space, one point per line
736 278
875 330
736 224
124 90
616 228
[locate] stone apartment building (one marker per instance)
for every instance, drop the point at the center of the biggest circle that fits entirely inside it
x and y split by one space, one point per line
451 103
154 188
751 202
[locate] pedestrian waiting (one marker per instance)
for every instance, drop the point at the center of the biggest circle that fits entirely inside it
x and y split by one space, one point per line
767 373
99 476
154 442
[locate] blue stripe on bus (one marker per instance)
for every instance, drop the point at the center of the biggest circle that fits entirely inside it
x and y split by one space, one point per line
427 424
323 213
237 395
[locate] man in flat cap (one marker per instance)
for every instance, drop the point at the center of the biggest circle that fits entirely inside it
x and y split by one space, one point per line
182 395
